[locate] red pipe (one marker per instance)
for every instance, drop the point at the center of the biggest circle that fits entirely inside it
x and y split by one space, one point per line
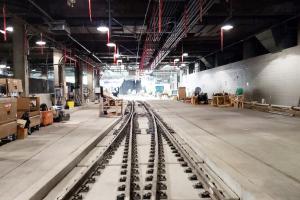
70 58
90 10
4 22
160 15
115 57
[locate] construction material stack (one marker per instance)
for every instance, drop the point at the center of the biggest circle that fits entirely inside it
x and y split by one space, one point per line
112 107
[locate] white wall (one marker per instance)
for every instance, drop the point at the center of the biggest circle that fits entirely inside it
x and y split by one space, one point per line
274 77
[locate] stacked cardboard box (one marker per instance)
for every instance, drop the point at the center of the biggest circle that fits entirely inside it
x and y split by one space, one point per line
8 117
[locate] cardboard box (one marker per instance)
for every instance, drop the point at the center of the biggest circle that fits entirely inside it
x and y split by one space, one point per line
28 104
22 133
181 93
8 129
14 85
8 110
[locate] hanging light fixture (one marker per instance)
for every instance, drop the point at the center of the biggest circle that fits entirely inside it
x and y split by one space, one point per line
10 29
185 54
227 27
103 29
111 44
40 43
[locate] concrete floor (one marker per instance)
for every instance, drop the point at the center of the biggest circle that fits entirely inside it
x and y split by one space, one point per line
26 166
257 154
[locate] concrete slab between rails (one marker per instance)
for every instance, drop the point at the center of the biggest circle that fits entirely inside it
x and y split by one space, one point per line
256 154
30 168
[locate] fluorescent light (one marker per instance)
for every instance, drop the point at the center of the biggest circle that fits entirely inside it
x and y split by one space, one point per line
33 70
111 44
2 66
119 61
227 27
176 60
103 29
2 31
10 29
7 67
183 65
185 54
40 43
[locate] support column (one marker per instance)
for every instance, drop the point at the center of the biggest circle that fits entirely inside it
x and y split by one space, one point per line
57 55
299 32
90 79
20 56
59 73
78 84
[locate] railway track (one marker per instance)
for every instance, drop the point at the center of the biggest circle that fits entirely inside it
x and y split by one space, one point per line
143 158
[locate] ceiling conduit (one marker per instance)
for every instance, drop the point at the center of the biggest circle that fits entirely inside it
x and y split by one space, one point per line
178 33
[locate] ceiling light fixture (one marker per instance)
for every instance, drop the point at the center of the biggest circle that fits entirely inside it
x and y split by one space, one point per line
111 44
40 43
176 60
103 29
10 29
227 27
2 31
185 54
2 66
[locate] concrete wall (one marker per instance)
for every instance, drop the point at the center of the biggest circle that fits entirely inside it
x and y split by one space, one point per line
45 98
274 77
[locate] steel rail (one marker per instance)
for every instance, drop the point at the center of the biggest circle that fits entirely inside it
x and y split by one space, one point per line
208 183
129 164
156 160
73 189
218 190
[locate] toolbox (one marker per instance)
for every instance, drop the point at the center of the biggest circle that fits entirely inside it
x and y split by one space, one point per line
46 118
32 106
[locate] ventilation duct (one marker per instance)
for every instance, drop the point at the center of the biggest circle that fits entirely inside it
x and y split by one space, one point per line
60 27
268 41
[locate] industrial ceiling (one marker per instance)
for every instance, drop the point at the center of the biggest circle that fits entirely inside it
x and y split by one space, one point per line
150 33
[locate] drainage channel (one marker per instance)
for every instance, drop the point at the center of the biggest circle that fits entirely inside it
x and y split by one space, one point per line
143 159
